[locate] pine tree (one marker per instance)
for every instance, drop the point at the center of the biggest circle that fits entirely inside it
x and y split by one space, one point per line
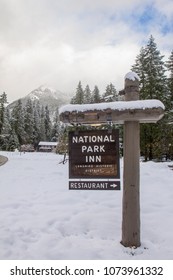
110 93
153 83
48 125
96 98
62 146
3 101
37 123
79 96
29 122
6 131
87 95
169 65
140 68
56 127
42 125
13 142
151 69
17 122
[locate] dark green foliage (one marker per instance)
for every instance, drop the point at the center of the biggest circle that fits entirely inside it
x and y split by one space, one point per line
151 69
169 65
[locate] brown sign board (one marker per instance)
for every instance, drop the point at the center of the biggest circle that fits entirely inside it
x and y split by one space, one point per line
94 154
94 185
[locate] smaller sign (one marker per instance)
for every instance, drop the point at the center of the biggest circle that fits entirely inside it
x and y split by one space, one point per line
94 185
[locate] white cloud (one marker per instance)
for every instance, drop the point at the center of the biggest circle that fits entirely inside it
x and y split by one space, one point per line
165 7
62 42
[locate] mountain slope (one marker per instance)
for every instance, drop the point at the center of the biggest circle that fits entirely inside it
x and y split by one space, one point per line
46 96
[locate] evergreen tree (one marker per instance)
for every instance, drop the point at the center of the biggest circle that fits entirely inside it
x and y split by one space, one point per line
17 122
13 142
79 97
56 127
6 131
42 125
96 98
110 94
87 95
3 101
37 123
140 68
48 125
29 122
169 65
62 146
153 84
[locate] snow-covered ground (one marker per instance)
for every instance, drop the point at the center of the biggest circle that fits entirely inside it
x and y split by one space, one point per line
41 219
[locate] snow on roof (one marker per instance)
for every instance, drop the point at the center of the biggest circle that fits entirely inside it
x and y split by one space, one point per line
117 105
132 76
43 143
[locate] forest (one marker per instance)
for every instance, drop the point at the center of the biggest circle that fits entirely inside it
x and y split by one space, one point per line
32 123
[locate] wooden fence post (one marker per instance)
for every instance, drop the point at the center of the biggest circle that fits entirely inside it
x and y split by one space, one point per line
131 198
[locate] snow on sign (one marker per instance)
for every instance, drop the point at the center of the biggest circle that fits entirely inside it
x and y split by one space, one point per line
94 154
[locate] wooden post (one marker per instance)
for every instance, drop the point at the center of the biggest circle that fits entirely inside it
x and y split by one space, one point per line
131 199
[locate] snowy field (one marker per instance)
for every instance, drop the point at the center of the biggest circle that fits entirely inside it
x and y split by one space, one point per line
41 219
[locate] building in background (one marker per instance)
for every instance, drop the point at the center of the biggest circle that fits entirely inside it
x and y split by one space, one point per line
47 146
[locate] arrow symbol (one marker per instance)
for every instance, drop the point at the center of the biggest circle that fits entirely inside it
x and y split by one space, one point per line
113 185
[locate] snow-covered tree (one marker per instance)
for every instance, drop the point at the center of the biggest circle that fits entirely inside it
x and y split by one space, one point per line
42 125
96 98
110 94
56 127
87 95
3 101
79 96
17 122
29 122
140 68
6 131
169 65
48 124
37 123
13 142
150 67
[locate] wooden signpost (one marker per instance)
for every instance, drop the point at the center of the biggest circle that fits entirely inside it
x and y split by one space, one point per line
131 113
131 198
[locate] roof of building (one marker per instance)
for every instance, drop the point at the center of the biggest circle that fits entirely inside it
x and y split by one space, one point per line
44 143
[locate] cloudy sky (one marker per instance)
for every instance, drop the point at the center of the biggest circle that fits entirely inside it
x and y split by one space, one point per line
59 42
